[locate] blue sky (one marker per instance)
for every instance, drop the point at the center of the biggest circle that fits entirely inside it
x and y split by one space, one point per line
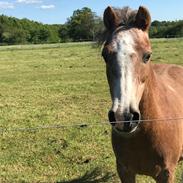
57 11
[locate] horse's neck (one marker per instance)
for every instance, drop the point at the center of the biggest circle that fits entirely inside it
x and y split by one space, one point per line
150 102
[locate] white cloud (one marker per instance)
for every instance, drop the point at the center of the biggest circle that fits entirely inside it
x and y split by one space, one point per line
51 6
6 5
29 1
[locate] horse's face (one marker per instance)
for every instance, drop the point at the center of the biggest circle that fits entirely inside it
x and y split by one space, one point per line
126 53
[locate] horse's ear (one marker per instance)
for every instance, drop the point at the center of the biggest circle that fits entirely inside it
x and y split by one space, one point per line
110 19
143 19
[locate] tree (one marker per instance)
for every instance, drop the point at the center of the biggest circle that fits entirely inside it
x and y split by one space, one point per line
98 28
43 35
81 23
63 33
1 33
16 31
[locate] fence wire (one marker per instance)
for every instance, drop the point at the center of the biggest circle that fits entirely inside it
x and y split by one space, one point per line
81 125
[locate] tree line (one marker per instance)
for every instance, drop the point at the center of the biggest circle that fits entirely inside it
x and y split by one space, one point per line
83 25
24 31
166 29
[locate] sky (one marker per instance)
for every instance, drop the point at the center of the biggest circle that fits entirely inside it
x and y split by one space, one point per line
57 11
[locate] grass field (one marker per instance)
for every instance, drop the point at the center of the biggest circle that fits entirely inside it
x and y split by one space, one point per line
61 84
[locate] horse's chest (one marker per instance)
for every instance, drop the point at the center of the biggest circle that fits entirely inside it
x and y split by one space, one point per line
135 156
145 154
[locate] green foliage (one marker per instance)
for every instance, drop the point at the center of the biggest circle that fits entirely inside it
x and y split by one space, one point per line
166 29
64 33
16 31
82 25
15 36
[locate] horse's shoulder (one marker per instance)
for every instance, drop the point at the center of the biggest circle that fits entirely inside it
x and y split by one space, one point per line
173 72
176 71
160 68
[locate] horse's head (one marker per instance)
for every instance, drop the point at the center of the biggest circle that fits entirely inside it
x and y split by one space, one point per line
127 52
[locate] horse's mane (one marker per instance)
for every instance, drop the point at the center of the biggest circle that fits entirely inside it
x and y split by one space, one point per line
125 17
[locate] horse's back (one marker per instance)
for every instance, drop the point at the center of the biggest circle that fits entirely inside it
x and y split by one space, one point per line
170 79
171 75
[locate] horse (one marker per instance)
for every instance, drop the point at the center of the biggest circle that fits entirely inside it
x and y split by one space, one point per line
147 99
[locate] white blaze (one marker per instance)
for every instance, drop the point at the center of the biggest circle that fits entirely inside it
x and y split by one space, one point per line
124 91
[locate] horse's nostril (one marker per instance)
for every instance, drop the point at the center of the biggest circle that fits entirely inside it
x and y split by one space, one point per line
130 120
136 117
111 117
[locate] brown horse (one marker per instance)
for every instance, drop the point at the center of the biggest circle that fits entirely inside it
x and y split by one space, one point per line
140 91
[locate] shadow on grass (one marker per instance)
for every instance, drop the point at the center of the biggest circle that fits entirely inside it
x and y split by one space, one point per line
91 177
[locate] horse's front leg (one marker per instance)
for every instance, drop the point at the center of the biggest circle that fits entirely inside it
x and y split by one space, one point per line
125 175
166 176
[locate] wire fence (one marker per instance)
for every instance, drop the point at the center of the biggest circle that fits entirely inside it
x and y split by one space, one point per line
81 125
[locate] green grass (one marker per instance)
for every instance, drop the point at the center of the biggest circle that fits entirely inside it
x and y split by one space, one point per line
61 84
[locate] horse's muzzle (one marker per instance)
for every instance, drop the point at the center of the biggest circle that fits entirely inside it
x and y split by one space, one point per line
127 123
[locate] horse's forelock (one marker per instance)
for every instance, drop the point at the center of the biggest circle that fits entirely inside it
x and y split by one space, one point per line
126 16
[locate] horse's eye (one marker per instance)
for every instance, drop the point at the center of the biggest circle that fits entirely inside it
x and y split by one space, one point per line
146 57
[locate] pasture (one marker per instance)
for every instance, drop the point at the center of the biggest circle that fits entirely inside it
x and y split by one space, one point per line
61 84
